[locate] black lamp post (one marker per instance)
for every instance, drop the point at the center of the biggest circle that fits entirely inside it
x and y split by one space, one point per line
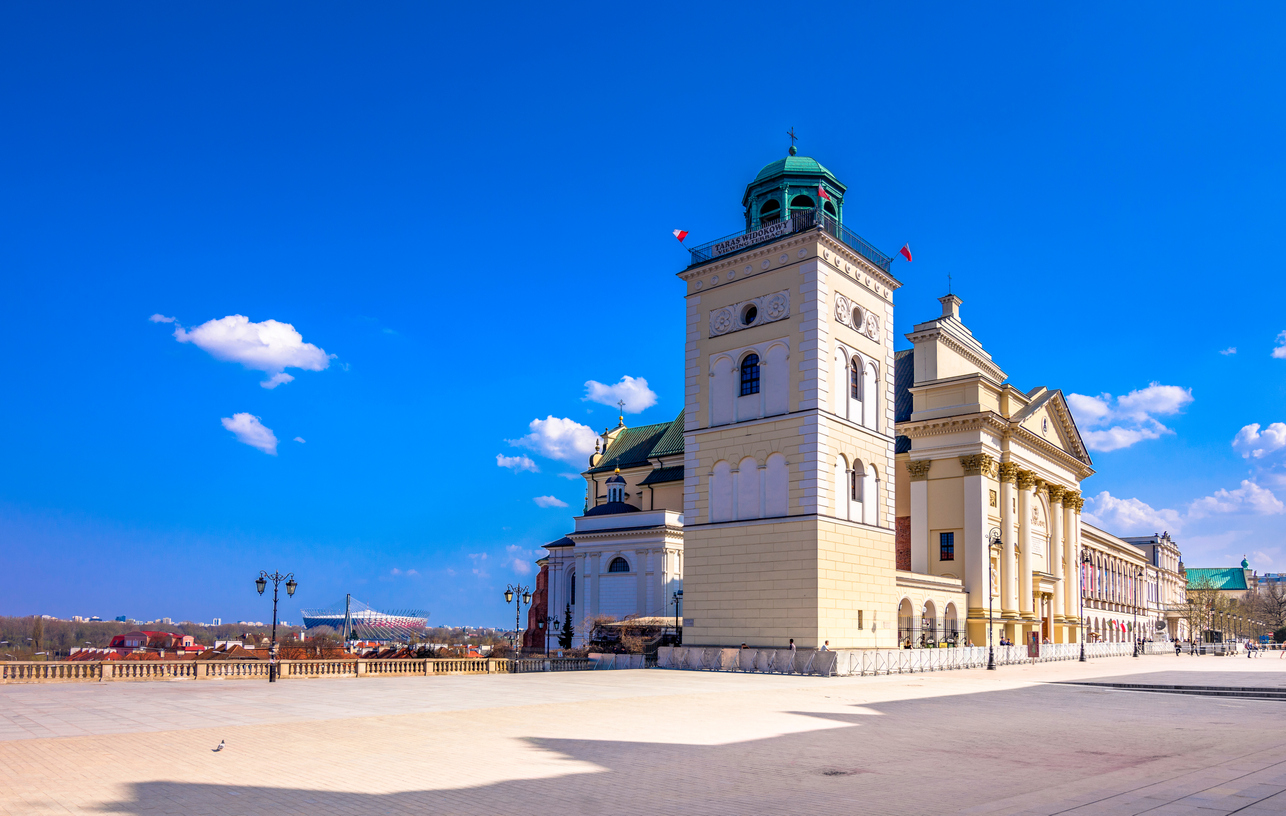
523 596
261 583
994 538
1138 578
554 625
678 627
1085 561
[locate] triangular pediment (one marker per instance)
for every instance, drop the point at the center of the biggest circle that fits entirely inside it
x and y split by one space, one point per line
1048 418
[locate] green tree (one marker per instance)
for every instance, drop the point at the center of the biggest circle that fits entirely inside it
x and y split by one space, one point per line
565 637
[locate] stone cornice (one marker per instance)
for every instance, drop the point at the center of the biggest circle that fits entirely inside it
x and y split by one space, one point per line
952 424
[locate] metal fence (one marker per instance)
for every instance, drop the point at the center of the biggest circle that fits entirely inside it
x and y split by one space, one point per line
798 221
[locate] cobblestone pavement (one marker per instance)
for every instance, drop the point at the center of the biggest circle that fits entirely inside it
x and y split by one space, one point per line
1004 742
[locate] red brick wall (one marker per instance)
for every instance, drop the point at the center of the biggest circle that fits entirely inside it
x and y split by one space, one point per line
534 637
903 542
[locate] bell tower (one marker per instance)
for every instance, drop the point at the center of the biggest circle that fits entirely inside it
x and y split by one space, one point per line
788 471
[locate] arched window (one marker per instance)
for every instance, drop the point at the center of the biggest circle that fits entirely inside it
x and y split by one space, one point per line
750 375
801 202
618 565
769 212
573 589
855 379
855 483
830 209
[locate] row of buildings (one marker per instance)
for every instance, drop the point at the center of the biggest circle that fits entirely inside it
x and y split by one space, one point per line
820 486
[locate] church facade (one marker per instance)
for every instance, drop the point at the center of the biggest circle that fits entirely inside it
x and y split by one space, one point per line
818 486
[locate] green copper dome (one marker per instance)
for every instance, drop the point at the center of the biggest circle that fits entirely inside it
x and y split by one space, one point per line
795 166
1244 563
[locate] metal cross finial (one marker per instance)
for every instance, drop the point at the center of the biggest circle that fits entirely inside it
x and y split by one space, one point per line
793 137
621 403
948 283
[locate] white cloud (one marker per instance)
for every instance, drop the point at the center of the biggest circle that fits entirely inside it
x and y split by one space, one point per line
408 573
569 476
270 346
1229 350
251 431
160 318
1249 498
633 392
562 439
1132 418
1129 516
1279 351
300 439
549 501
479 564
516 463
519 560
1250 442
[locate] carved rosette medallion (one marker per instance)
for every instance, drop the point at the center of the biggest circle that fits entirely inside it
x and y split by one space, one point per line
750 313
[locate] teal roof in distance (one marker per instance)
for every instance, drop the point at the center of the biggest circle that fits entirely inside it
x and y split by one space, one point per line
1218 577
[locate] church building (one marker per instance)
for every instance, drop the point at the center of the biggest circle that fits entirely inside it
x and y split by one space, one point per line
818 486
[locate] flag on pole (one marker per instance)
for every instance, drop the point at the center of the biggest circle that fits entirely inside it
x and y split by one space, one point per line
905 252
822 193
680 234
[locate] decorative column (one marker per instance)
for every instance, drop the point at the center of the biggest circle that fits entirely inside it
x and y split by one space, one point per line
1056 556
977 548
1026 481
595 560
579 605
640 592
919 471
1008 513
1072 503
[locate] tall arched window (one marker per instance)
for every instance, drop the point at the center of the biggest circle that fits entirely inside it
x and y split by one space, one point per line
572 582
855 379
802 202
750 375
618 565
855 485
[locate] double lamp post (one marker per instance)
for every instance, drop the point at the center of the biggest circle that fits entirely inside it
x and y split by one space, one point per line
261 583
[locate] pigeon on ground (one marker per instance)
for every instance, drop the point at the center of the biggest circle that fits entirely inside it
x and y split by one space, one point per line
218 747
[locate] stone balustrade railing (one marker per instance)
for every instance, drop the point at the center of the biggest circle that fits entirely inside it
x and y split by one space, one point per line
112 670
848 662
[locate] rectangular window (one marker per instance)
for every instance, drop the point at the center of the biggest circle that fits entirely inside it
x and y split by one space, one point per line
859 620
946 546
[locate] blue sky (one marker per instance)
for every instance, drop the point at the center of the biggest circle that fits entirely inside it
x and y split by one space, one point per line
460 216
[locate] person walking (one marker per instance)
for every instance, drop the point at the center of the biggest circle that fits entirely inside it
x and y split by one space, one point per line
792 646
826 646
1178 648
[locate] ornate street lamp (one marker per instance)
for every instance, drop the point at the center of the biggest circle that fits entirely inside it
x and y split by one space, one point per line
994 538
1086 560
261 583
523 595
554 625
1138 578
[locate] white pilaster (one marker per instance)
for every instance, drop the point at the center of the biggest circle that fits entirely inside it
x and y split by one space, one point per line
1008 584
1025 607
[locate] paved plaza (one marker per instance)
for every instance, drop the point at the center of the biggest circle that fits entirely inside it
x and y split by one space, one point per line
1013 741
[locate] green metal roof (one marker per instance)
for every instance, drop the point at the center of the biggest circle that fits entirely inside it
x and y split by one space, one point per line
665 474
1217 577
795 166
671 442
633 446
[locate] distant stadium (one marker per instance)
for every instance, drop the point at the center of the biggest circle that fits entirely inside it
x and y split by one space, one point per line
355 620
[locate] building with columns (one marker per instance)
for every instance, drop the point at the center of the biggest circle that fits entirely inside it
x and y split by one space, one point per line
992 489
819 486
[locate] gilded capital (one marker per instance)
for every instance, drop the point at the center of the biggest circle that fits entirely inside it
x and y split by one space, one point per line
1008 471
1026 479
1055 493
919 469
1070 497
979 463
1078 504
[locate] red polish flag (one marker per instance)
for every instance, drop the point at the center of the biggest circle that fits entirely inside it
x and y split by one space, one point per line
822 193
680 234
905 251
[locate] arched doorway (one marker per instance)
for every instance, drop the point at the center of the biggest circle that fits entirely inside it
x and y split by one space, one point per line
951 625
929 625
907 624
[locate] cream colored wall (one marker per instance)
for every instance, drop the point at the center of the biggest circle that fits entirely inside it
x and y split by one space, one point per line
667 496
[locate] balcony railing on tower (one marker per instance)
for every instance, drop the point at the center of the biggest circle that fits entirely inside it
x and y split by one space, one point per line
798 221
